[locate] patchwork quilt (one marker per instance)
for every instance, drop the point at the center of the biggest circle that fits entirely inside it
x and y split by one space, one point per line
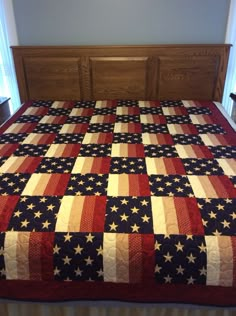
131 200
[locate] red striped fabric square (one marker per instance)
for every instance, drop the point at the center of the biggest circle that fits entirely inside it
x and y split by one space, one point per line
63 150
99 165
128 258
106 104
39 139
148 104
17 128
164 166
157 139
63 104
38 111
182 129
176 215
98 138
192 103
212 186
127 150
193 151
50 119
109 118
7 206
128 185
20 164
152 118
46 184
81 214
81 112
74 128
34 260
201 119
127 128
214 140
7 149
176 110
127 110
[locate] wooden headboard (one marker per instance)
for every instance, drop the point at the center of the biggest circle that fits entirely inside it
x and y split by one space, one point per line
121 72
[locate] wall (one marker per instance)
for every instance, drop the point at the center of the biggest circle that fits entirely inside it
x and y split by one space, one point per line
10 22
68 22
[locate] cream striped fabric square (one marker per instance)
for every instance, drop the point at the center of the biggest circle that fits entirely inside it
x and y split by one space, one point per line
164 215
57 104
228 165
202 187
70 213
116 257
16 255
220 260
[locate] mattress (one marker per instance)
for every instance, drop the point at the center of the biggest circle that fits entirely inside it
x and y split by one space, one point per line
118 200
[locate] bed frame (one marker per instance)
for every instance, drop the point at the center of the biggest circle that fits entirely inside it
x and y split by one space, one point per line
111 72
121 72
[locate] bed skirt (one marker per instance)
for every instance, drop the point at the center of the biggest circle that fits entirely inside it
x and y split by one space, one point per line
105 309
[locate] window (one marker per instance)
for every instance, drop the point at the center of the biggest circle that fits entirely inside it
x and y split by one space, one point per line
8 84
230 85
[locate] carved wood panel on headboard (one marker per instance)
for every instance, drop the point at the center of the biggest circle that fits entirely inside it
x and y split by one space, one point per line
121 72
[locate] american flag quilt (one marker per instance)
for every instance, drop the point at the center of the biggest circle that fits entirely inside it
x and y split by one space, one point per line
132 200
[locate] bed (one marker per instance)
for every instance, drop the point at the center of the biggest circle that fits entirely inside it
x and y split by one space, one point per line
118 177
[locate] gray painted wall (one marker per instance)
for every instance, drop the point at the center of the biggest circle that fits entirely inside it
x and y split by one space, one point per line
68 22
